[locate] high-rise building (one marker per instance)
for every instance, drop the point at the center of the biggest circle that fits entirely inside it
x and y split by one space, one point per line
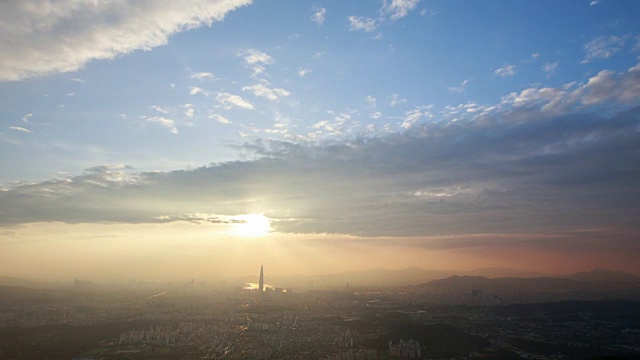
261 284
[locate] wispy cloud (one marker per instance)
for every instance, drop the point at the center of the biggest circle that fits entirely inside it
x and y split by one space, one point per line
25 119
21 129
253 56
159 109
334 127
397 9
303 72
257 60
636 46
458 89
603 47
412 116
228 101
319 15
506 70
262 89
390 10
195 90
371 100
168 123
189 111
397 100
361 23
219 118
203 76
64 36
550 68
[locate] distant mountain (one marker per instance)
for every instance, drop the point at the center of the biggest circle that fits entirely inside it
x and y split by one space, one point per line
385 277
604 275
501 272
511 284
363 278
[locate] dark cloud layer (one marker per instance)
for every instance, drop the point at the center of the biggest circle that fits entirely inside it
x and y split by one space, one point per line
545 174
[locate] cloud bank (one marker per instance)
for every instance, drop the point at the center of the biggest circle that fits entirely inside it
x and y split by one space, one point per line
544 160
561 173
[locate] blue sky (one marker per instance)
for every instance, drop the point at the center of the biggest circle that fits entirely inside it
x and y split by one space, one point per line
510 117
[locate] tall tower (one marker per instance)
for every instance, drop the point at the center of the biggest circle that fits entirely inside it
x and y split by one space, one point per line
261 284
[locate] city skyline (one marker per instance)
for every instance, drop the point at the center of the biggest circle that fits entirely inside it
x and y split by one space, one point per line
201 138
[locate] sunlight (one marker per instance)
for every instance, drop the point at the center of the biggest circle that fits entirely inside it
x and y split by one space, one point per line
253 225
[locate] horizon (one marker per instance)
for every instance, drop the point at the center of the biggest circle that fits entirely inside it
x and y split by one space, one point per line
198 139
335 279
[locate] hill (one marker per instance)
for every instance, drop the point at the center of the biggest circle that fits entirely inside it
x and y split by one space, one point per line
510 284
604 275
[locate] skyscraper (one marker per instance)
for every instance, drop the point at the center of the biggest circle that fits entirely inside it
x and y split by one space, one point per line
261 284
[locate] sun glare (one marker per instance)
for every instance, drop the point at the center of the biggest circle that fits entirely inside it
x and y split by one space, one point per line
253 225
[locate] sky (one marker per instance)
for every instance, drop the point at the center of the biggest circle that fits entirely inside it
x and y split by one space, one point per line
201 138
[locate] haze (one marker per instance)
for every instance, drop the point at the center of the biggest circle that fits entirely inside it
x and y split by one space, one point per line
204 139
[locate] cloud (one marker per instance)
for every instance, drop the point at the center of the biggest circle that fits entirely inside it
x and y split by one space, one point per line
40 37
603 47
506 70
219 118
257 60
21 129
199 219
546 175
636 46
371 100
195 90
550 68
319 15
594 3
361 23
228 100
253 56
159 109
25 119
458 89
544 161
417 113
202 76
303 72
397 100
397 9
336 127
610 88
263 90
376 115
168 123
391 10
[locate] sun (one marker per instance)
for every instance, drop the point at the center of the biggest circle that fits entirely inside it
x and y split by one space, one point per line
252 225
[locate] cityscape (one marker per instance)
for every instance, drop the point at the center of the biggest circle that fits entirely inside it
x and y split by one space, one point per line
460 317
319 180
